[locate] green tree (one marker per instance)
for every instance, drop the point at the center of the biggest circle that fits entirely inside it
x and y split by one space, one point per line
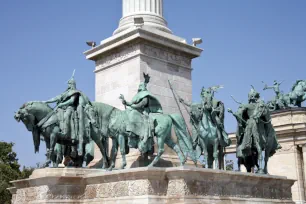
9 171
229 165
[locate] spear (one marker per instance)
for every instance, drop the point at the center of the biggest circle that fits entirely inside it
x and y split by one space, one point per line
178 105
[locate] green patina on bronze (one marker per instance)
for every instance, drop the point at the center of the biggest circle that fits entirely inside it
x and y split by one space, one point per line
75 123
207 120
72 123
140 122
295 97
255 133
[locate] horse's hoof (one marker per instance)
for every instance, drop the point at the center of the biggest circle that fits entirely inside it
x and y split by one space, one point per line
260 171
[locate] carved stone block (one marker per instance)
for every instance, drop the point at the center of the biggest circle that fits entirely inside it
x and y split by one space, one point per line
151 185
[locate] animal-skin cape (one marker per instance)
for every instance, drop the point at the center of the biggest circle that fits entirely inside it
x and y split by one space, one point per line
262 132
154 105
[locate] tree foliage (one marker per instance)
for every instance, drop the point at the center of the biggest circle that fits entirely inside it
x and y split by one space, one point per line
229 165
9 170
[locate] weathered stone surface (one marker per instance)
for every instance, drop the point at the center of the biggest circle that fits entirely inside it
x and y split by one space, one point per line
151 185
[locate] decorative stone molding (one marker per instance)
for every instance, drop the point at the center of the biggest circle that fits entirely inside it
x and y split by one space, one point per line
167 185
166 54
151 50
117 56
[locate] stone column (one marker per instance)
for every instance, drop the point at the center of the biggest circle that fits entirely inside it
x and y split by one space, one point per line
135 6
150 10
304 165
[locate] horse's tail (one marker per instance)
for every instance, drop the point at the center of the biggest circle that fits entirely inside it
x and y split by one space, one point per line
183 137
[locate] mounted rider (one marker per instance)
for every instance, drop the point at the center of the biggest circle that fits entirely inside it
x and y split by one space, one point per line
139 109
216 110
251 127
72 108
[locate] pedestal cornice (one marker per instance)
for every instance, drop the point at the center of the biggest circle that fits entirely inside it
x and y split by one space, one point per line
158 37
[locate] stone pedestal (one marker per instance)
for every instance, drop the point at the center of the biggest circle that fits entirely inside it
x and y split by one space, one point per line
290 126
290 161
150 185
136 48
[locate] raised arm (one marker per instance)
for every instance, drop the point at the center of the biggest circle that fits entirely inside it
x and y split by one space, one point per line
141 104
55 99
268 87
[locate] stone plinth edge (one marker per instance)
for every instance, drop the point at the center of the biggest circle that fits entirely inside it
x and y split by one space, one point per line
132 34
151 185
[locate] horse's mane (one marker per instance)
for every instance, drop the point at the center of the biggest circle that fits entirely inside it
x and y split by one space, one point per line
30 103
295 84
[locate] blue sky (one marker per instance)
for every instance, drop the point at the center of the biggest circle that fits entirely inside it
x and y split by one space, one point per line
244 42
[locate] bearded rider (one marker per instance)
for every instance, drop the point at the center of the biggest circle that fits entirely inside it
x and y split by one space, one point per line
249 127
142 104
70 101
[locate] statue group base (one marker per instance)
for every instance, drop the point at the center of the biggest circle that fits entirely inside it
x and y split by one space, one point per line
150 185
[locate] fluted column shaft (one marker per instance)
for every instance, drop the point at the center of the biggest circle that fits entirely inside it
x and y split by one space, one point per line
150 10
140 6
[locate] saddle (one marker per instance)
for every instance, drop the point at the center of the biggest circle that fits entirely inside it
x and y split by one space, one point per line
140 124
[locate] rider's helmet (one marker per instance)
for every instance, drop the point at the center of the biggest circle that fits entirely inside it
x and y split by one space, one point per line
72 82
143 85
253 95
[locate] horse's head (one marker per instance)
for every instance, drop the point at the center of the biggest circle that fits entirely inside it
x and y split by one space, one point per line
262 111
196 112
30 114
207 99
25 115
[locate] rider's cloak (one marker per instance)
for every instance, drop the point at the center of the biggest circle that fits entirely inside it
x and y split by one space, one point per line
254 130
139 124
154 105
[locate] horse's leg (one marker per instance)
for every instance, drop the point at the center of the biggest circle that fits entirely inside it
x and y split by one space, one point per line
210 159
98 140
48 154
53 139
260 158
121 141
162 131
58 157
216 153
113 154
221 158
204 147
176 148
266 162
239 164
161 149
